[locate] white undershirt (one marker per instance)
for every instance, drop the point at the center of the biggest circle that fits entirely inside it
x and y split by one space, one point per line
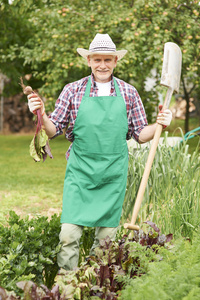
104 88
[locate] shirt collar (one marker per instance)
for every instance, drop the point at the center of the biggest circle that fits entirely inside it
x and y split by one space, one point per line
112 84
93 83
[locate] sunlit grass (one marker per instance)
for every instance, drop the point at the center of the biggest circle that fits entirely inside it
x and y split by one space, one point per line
26 186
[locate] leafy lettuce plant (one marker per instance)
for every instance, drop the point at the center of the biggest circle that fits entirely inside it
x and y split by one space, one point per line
28 250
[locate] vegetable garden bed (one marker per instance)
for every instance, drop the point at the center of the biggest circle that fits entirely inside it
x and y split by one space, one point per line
148 265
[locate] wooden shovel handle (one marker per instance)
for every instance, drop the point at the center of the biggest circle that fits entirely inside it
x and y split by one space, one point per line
147 169
145 177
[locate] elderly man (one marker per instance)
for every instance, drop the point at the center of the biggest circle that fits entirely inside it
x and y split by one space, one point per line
101 113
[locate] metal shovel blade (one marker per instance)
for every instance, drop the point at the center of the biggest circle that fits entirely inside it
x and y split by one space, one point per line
171 70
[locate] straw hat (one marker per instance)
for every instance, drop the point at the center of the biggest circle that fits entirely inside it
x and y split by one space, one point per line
102 44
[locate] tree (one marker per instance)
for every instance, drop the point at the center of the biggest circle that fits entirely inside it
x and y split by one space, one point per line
157 22
14 31
56 28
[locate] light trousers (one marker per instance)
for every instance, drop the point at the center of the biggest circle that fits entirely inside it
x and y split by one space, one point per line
70 235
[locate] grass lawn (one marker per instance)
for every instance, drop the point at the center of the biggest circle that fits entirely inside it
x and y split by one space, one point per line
26 186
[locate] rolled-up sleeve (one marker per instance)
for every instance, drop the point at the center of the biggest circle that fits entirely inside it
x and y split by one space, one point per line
61 114
135 110
137 116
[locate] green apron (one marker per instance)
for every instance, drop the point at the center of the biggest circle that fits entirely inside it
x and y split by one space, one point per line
96 174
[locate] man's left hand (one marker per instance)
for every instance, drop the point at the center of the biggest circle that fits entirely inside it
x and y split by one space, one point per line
164 117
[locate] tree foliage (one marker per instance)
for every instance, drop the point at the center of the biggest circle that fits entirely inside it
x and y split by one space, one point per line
43 36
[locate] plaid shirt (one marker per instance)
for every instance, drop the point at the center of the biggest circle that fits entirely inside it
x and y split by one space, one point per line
67 105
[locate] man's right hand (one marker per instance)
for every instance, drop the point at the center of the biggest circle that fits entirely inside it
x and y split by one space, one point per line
35 103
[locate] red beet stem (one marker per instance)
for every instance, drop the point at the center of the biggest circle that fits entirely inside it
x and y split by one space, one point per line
39 121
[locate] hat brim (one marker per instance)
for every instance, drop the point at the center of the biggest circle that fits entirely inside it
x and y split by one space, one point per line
85 53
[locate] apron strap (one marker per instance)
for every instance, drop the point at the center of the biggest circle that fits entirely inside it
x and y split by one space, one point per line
88 87
117 88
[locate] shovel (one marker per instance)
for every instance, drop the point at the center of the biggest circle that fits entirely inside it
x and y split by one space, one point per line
171 72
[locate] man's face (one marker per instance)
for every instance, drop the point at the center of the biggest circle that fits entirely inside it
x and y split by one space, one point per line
102 66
